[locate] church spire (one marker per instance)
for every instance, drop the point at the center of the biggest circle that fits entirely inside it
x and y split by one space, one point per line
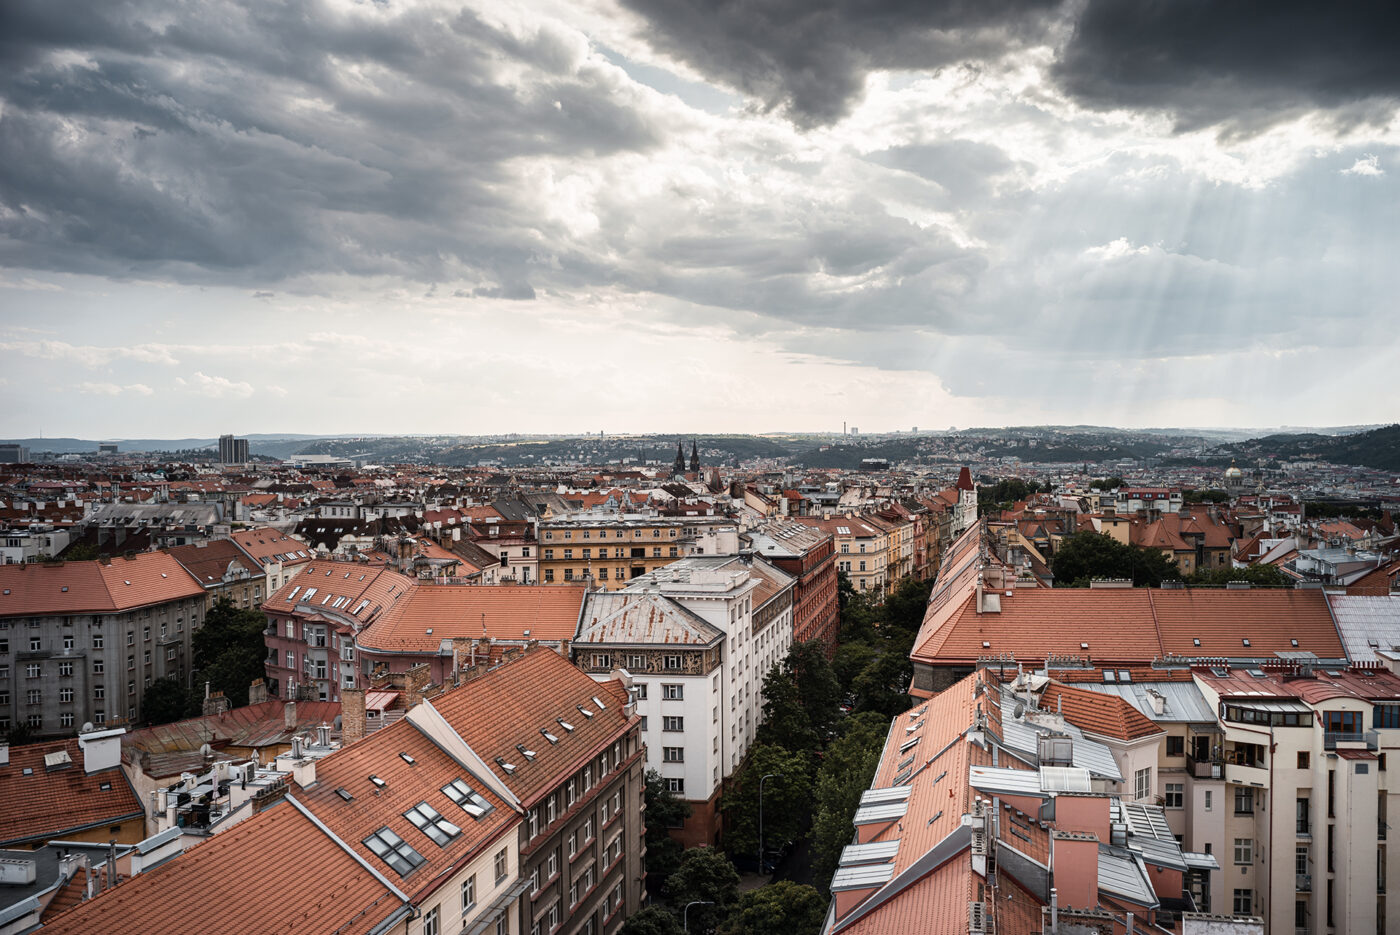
679 468
694 457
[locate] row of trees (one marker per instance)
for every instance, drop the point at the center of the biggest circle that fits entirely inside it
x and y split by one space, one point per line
702 895
1084 556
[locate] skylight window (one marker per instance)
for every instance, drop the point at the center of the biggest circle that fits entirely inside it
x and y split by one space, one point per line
599 703
394 851
344 793
508 767
1108 675
310 593
548 736
1245 642
564 724
908 745
378 783
407 759
584 711
469 799
430 821
1196 641
1294 642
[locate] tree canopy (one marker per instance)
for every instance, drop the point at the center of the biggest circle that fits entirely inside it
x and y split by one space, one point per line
664 811
787 800
1087 555
229 651
781 908
704 874
652 920
846 772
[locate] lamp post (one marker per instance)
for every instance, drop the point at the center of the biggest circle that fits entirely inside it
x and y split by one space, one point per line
762 779
686 915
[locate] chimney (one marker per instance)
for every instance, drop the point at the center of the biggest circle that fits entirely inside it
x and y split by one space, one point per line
414 683
1159 701
1074 865
102 749
289 715
257 692
352 714
4 754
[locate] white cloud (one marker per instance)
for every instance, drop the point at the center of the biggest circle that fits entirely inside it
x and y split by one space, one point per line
1368 164
216 387
114 389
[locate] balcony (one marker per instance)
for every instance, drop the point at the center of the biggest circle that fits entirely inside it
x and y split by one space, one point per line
1351 740
1204 769
1304 883
1246 775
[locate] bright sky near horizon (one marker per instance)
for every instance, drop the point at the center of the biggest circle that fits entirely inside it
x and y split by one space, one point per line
719 215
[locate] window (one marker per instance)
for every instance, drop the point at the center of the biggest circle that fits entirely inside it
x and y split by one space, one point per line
573 843
637 662
1244 800
394 851
99 692
65 719
1300 859
65 695
675 785
1244 902
469 894
1302 759
33 670
672 692
67 642
34 696
549 574
673 723
97 641
671 662
1176 746
502 866
1175 794
469 799
35 644
1244 852
602 660
1385 715
503 925
430 922
641 691
1208 800
551 866
673 754
429 821
1142 783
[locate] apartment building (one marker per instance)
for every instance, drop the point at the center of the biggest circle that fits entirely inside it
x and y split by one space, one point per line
808 555
611 548
68 790
81 641
862 550
985 817
280 555
224 571
695 638
570 749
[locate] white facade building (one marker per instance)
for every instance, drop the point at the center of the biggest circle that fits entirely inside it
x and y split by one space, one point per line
697 638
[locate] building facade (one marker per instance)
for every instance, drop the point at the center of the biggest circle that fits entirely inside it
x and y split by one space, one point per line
612 548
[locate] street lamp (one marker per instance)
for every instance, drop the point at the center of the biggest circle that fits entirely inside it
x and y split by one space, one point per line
686 915
762 779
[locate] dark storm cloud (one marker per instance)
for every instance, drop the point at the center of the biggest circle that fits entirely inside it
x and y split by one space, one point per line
1246 64
204 140
810 57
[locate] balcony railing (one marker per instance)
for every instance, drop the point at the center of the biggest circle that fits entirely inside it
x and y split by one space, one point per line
1304 883
1204 769
1370 738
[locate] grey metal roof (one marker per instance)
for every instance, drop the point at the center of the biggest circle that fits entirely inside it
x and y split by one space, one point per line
861 876
1366 623
883 812
1184 701
1199 861
1000 780
1125 876
876 852
1021 736
1064 779
1266 704
885 794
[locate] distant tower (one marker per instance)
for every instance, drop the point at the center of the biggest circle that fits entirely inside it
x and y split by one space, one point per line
694 457
1234 479
679 468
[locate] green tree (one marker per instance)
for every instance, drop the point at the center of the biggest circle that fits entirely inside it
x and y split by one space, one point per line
846 772
664 812
1259 576
1106 483
704 874
167 700
883 684
1088 555
787 800
229 651
80 552
652 920
782 908
848 661
785 721
904 609
816 683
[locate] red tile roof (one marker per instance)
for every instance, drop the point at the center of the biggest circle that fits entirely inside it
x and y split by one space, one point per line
94 587
275 872
208 562
524 696
1097 713
548 612
47 804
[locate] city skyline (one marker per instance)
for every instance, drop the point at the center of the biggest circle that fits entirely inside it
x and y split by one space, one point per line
633 214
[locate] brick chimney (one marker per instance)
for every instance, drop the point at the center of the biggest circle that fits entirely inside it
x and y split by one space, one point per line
415 681
1074 863
352 714
289 715
257 691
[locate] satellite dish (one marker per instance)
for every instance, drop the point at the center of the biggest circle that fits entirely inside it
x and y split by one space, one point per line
87 727
1020 710
206 751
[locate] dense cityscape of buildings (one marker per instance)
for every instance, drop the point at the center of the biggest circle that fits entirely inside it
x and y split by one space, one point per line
468 671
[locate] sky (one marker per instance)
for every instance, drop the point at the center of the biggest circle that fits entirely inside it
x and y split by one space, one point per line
344 216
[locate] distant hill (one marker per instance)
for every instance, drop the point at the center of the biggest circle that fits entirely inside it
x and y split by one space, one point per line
1378 448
